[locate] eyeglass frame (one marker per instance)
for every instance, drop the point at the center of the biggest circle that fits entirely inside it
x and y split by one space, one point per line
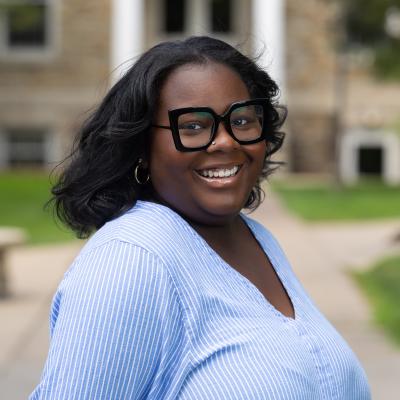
174 114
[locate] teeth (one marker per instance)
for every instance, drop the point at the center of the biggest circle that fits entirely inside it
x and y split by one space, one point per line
219 173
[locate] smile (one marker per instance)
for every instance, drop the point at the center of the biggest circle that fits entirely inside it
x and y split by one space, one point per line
219 172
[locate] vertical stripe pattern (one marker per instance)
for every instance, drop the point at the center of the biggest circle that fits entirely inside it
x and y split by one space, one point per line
149 311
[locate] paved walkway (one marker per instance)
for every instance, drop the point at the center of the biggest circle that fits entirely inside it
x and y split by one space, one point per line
320 254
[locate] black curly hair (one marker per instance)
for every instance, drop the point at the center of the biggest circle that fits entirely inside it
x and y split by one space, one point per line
98 182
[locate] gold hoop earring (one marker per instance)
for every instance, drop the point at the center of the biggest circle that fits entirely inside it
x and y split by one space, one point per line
139 172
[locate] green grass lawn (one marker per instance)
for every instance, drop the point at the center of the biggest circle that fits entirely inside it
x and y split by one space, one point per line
381 283
22 199
325 202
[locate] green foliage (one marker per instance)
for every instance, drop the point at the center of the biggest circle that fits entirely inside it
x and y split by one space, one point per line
382 286
365 19
387 60
324 202
365 26
22 200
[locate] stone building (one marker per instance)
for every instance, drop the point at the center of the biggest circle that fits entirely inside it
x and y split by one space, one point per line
311 71
52 69
343 121
58 63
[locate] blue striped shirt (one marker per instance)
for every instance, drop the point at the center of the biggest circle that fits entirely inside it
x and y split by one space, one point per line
149 310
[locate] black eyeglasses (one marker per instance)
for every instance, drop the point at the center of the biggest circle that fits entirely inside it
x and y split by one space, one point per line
195 128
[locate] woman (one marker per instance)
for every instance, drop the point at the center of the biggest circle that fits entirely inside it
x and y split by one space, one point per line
178 295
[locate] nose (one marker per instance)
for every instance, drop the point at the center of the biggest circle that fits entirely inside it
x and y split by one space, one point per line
223 141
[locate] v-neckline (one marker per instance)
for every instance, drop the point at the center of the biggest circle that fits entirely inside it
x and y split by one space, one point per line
247 281
272 260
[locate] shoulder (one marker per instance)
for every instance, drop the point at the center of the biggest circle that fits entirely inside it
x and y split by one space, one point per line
113 271
116 280
138 253
150 226
116 296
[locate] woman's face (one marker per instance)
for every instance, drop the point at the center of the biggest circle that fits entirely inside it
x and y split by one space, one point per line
176 176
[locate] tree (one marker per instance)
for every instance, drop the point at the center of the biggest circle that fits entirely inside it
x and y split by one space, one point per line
375 25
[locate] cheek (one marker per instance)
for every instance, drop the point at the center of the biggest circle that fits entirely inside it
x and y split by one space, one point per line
158 170
166 164
258 153
161 150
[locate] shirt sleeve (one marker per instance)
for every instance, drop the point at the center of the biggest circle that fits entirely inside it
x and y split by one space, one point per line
117 328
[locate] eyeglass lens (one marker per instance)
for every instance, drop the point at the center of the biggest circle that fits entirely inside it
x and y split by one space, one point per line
196 128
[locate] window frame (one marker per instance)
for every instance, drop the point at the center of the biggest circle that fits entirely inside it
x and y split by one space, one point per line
40 54
197 21
48 142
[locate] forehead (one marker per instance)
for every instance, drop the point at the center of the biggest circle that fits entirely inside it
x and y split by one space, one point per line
213 85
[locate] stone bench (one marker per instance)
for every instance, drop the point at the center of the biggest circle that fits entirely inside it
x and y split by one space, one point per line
9 237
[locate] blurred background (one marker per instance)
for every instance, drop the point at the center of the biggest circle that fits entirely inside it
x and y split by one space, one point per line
338 65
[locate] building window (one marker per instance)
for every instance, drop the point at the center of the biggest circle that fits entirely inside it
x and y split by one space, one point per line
370 160
174 15
221 16
25 147
369 152
229 20
27 27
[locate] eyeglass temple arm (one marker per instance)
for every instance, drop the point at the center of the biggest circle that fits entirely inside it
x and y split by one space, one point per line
161 126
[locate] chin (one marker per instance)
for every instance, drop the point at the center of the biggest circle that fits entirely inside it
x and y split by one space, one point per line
224 209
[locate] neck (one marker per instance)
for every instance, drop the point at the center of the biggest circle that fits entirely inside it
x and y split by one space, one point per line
209 225
225 235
